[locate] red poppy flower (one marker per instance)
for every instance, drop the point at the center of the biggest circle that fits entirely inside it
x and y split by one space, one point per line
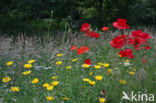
87 61
97 35
82 50
105 28
73 47
121 24
130 41
144 60
94 35
87 33
147 47
139 39
136 33
140 34
118 41
136 42
145 36
126 53
85 27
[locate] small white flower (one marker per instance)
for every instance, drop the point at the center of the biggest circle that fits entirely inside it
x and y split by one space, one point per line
127 63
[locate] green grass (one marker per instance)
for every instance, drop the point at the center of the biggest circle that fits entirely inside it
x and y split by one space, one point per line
71 84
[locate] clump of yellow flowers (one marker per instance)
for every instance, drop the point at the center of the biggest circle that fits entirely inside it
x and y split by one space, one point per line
131 73
26 72
89 81
50 87
74 60
55 83
35 80
50 98
102 100
98 77
97 66
6 79
109 71
54 77
104 64
45 85
27 66
68 67
9 63
122 81
85 65
65 99
31 61
59 55
58 62
90 73
85 79
15 89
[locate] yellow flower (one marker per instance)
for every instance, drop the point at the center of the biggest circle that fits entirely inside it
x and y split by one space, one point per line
31 61
59 55
74 60
131 73
85 65
91 73
119 55
55 83
102 100
98 77
68 67
58 62
65 98
50 87
26 72
101 64
126 61
134 69
92 82
106 65
85 79
54 77
97 66
35 80
50 98
6 79
122 81
46 85
109 71
14 89
28 66
9 63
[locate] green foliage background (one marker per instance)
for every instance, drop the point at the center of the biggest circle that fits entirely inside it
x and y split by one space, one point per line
39 15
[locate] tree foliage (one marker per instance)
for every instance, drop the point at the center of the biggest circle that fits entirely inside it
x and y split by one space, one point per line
25 15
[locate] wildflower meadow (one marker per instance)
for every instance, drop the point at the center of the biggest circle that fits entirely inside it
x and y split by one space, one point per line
90 66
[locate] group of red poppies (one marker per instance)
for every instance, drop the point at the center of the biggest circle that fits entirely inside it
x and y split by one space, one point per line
80 50
138 39
88 31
